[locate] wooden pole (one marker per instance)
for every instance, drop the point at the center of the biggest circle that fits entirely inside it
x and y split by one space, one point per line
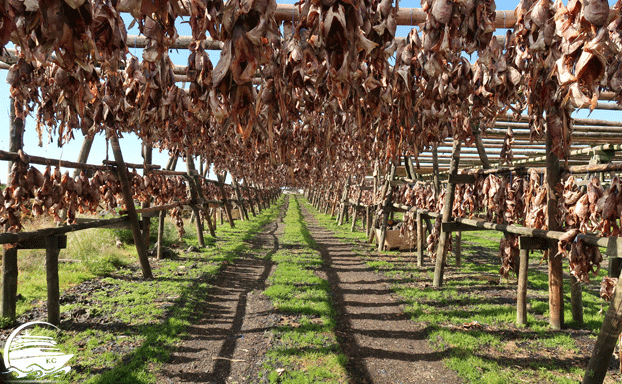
388 191
131 210
225 202
368 218
556 283
356 208
250 198
344 202
162 215
481 151
238 195
147 158
420 240
441 251
9 282
83 156
194 196
607 340
51 272
521 295
9 256
435 172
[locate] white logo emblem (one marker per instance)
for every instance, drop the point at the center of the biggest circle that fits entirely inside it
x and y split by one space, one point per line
28 352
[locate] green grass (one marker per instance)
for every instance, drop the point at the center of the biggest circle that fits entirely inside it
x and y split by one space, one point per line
138 322
305 349
459 302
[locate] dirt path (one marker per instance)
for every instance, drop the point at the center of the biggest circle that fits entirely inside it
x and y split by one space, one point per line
227 344
383 346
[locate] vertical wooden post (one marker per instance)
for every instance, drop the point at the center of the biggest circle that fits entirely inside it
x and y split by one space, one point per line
195 194
221 186
368 219
356 208
435 172
386 207
256 193
607 340
238 195
521 294
170 164
556 283
441 251
250 198
9 282
131 210
344 201
420 239
147 157
210 223
51 272
160 234
9 257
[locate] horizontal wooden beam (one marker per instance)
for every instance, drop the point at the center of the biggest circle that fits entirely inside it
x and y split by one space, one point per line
454 226
59 241
531 243
12 156
462 179
7 238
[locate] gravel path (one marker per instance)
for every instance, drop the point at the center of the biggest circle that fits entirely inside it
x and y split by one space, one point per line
382 344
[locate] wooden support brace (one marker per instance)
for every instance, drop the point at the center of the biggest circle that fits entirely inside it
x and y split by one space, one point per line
606 341
131 210
227 207
193 184
441 252
145 219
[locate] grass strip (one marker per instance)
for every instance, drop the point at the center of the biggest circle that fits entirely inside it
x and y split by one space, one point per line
490 348
304 347
127 327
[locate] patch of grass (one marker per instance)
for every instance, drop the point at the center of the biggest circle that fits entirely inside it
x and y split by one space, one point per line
305 349
467 325
132 325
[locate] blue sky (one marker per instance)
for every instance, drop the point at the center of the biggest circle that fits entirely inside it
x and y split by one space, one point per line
130 144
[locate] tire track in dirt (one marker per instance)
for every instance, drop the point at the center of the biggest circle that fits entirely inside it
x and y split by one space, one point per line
382 344
228 343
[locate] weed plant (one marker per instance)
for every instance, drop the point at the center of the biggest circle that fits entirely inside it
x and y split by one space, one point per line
305 349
